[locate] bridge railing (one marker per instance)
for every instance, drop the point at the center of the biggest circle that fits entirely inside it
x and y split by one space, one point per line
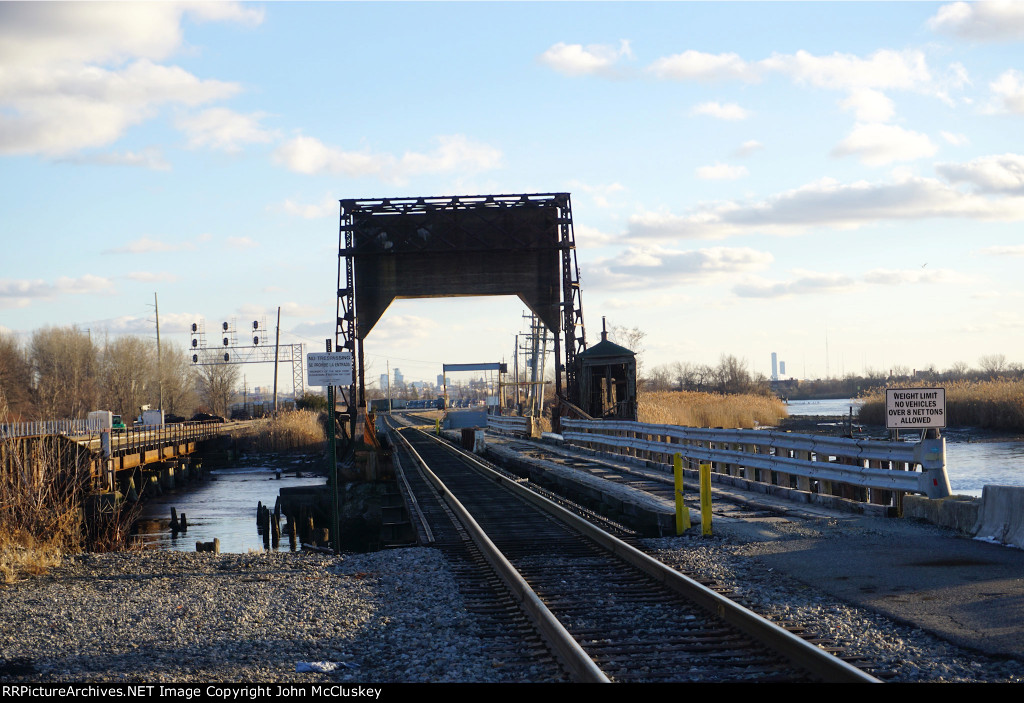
864 470
141 438
43 427
511 424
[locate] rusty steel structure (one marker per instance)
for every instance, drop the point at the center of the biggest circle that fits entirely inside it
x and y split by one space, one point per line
433 247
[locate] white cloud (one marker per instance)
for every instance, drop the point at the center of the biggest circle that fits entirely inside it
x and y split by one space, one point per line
1006 250
579 60
289 310
891 277
311 211
309 155
990 174
699 66
148 276
146 245
224 129
827 203
881 144
78 75
150 158
21 292
403 328
884 69
1009 88
598 193
170 322
749 147
454 153
955 139
981 21
721 172
806 282
587 236
639 267
869 105
241 243
729 111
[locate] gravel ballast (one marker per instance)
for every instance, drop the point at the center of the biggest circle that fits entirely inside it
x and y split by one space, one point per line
393 616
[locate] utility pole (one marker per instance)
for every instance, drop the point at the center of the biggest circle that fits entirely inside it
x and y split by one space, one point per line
277 355
159 364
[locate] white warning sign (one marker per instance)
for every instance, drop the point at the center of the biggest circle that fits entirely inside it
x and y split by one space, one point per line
915 408
329 369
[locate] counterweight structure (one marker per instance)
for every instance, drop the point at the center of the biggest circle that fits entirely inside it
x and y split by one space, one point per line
433 247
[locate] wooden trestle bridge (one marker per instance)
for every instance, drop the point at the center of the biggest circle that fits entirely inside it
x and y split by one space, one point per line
113 460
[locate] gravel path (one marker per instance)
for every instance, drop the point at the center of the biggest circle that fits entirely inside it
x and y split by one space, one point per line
903 653
180 617
393 616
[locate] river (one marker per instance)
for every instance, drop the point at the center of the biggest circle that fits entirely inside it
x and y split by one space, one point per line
221 507
224 506
973 459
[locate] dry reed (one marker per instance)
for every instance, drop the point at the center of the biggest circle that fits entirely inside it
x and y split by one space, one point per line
40 507
695 409
298 431
996 404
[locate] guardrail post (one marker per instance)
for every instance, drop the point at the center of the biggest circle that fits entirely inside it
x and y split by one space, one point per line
705 500
682 512
781 478
930 453
803 483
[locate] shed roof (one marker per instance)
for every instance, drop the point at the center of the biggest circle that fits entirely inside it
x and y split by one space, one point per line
604 349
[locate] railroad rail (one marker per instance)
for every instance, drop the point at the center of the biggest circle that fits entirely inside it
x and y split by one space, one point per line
607 610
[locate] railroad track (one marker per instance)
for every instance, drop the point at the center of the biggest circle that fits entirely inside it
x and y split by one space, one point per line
607 611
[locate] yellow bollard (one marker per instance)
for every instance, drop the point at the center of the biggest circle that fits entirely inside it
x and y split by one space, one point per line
705 500
682 512
437 427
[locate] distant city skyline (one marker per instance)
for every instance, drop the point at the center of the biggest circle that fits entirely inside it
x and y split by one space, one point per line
746 178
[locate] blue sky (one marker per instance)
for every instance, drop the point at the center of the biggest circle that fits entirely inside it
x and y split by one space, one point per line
745 177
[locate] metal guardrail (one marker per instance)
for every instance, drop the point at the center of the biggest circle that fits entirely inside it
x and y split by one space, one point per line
510 424
43 427
877 470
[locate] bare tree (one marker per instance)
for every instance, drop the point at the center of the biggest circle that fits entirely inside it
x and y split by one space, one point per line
217 384
129 364
631 338
65 368
993 364
659 379
959 369
15 380
179 381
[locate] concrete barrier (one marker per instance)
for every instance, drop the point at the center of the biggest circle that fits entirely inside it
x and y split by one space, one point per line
958 513
1001 518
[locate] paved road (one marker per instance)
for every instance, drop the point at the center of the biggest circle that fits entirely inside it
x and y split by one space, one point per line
968 591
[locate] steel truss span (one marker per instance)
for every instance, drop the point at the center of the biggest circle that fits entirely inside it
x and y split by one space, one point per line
430 247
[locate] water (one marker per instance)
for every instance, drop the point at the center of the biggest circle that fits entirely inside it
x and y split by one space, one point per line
970 464
224 508
828 406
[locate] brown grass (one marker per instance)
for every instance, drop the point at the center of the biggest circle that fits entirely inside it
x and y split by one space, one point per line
40 508
298 431
997 404
694 409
